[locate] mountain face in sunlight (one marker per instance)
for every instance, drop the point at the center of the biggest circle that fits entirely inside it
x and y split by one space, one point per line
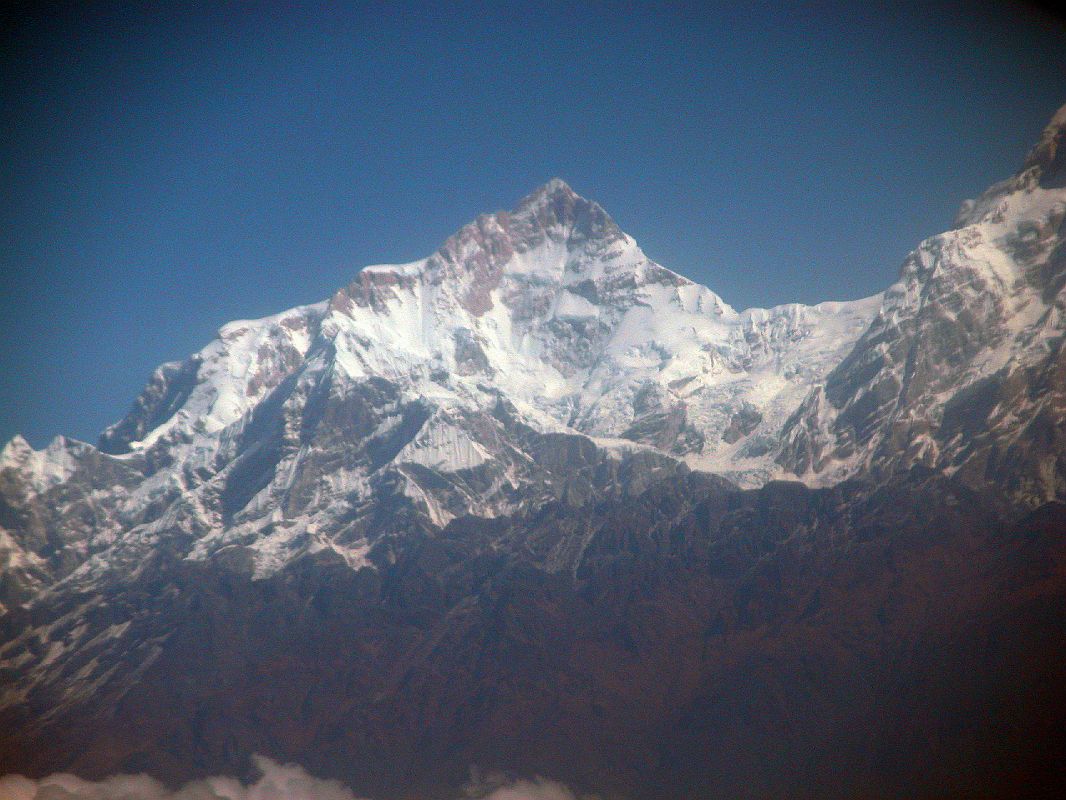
540 505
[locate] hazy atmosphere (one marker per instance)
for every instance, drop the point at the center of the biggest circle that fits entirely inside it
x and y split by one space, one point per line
165 172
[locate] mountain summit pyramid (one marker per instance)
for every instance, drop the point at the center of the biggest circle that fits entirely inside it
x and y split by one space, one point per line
424 392
428 389
538 503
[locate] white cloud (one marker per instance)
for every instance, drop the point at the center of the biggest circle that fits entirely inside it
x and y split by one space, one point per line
532 790
277 782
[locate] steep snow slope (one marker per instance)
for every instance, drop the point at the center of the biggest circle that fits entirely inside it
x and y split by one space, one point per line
550 306
962 369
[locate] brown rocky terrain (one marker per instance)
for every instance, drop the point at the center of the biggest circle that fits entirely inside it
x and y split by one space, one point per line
898 641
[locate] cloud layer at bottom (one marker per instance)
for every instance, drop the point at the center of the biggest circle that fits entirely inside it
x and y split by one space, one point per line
277 782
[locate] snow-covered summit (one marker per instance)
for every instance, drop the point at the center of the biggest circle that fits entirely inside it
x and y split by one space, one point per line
1041 174
552 306
421 384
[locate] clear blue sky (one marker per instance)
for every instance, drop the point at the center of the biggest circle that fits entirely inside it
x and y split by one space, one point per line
164 172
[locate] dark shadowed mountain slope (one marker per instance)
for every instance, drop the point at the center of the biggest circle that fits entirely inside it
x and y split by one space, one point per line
893 642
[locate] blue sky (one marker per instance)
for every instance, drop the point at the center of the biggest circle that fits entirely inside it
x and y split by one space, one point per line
167 171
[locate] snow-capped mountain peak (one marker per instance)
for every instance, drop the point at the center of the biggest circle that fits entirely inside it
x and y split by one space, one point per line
1048 156
963 363
560 311
419 386
475 470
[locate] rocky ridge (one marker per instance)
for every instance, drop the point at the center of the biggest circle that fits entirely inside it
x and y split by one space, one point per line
424 392
962 369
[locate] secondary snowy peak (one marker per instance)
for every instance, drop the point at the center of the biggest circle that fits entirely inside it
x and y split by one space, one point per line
962 368
58 505
1048 158
219 385
1044 169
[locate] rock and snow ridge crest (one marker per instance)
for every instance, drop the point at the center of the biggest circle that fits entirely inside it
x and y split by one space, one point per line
963 367
422 388
550 305
461 384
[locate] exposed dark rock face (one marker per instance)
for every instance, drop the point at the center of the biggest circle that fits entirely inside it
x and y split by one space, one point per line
962 369
691 641
167 390
742 423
